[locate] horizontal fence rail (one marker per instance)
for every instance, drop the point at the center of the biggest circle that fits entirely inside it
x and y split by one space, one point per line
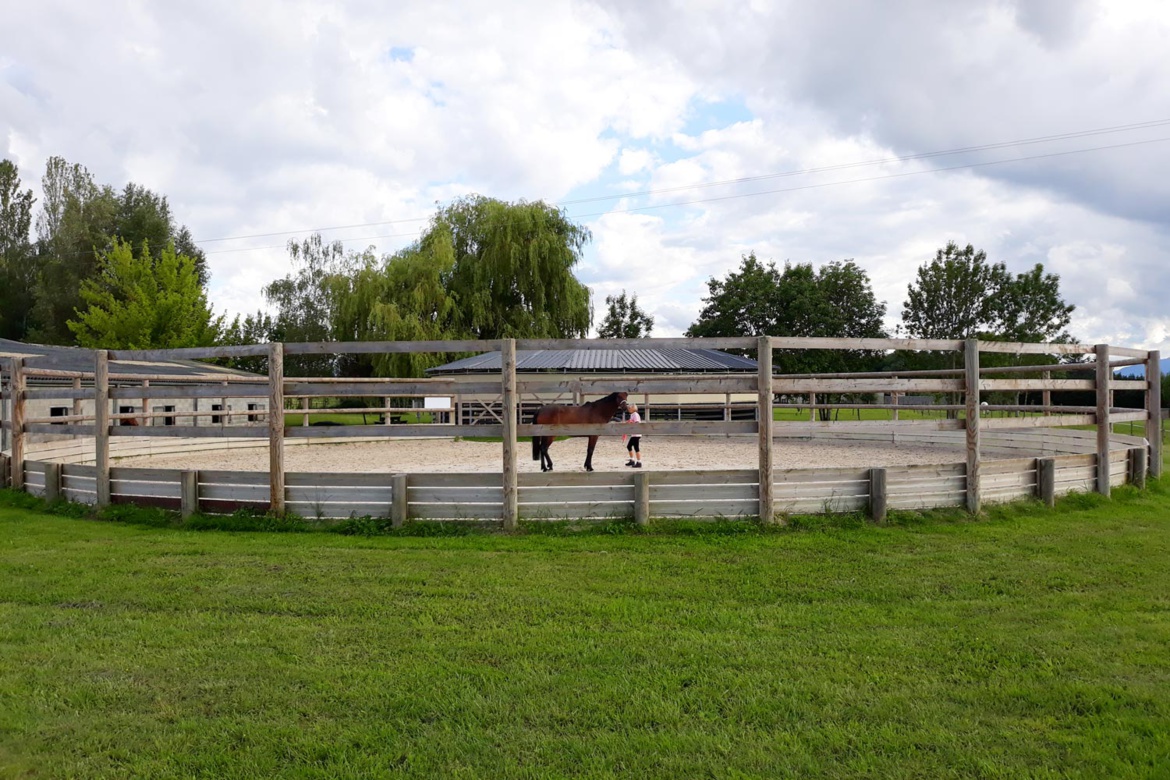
971 407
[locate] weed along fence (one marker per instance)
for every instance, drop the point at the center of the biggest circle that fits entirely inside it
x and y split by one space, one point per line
1002 451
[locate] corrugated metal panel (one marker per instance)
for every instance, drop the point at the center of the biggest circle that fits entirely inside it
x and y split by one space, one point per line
540 359
605 360
77 359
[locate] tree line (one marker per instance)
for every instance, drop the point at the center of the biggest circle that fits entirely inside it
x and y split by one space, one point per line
113 268
117 253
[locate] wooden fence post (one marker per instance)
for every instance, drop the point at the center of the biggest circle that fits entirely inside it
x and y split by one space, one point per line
101 426
878 494
76 410
1137 467
52 482
971 364
398 504
5 474
1104 374
764 420
145 420
3 411
17 391
1046 480
642 498
276 428
1154 409
188 493
508 380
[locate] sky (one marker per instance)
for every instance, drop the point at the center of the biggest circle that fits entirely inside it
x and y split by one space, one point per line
682 134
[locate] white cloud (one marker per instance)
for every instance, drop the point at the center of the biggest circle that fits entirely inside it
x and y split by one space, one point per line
266 117
632 161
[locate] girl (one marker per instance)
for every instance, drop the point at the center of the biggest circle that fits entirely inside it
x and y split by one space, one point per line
633 445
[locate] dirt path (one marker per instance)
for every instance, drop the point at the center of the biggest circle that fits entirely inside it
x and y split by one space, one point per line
445 455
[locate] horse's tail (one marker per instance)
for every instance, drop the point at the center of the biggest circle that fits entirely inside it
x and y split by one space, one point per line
535 439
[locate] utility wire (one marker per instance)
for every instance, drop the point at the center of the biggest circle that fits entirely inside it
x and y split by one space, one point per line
763 177
674 204
903 174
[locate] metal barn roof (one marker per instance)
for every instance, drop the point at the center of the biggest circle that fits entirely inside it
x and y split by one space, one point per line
654 361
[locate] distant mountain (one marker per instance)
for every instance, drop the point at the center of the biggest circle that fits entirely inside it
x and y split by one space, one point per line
1139 370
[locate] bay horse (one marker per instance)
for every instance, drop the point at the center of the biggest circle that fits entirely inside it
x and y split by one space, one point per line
593 413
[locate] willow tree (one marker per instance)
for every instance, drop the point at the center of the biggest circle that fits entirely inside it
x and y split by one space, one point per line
512 271
484 269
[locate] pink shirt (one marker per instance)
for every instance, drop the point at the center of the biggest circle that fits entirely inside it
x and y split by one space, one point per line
634 418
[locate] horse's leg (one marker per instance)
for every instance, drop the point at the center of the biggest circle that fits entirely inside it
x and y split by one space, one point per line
545 458
589 453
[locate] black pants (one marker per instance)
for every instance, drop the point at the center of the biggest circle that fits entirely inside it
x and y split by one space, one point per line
633 445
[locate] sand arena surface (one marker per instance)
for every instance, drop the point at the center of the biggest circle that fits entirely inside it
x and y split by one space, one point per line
446 455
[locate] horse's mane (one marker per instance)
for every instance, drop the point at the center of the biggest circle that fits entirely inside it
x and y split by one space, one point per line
611 397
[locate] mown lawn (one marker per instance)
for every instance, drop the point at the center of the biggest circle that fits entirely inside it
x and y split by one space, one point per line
1032 643
297 418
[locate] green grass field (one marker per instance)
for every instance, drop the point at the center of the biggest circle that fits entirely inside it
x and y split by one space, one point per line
1031 643
298 418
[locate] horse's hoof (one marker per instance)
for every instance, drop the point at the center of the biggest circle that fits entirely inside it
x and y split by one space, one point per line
589 468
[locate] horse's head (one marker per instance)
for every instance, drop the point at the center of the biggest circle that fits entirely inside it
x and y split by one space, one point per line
621 399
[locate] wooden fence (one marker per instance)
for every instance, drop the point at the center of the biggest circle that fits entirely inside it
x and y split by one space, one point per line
1079 460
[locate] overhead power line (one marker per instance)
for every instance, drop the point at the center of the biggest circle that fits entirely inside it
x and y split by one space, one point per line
819 185
880 161
903 174
841 166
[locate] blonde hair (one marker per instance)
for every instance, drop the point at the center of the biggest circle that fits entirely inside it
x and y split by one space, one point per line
632 407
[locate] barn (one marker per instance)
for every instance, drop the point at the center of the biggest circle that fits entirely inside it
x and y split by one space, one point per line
620 365
66 365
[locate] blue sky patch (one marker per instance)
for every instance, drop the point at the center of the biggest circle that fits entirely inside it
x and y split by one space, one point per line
400 54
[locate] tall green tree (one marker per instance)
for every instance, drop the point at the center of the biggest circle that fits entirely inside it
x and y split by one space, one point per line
144 216
624 319
138 302
403 297
961 295
835 301
74 227
954 296
252 329
304 301
742 304
79 222
513 268
484 269
17 258
850 310
1032 308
